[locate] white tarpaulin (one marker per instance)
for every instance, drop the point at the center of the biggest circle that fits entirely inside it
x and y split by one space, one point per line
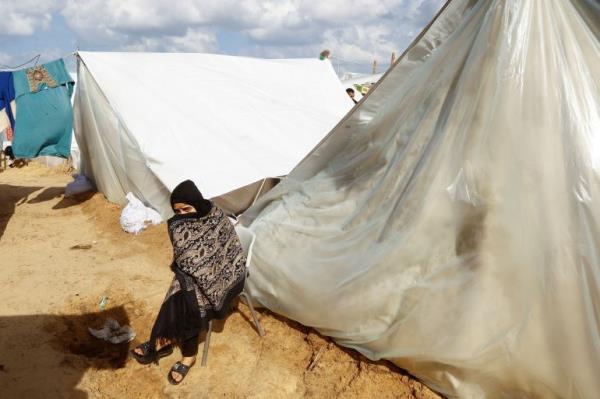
451 223
145 122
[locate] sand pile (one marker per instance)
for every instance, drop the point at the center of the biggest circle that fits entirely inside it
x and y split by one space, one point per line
60 256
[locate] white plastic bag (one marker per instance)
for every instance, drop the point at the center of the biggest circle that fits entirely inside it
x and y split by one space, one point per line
136 216
81 184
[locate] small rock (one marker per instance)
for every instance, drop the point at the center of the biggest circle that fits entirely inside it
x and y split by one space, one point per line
81 246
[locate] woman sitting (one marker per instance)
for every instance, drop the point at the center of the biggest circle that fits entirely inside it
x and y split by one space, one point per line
210 268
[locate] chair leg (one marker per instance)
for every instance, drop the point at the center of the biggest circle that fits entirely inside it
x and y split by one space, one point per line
261 332
206 345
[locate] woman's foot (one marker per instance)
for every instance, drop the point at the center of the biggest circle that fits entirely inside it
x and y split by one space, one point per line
145 354
180 369
139 350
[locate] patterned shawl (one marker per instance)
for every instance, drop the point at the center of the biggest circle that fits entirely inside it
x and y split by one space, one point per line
207 258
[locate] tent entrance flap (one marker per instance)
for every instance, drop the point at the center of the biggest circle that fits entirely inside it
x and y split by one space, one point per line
237 201
110 155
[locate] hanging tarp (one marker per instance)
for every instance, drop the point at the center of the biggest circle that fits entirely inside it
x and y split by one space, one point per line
45 118
7 101
451 222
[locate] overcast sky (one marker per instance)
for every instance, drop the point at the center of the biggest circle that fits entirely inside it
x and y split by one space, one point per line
356 31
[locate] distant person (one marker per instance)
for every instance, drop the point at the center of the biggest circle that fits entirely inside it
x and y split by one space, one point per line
350 92
210 269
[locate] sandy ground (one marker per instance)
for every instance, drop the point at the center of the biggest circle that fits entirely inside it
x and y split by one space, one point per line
49 295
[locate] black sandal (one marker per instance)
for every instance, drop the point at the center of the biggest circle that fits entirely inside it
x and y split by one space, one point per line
179 368
150 354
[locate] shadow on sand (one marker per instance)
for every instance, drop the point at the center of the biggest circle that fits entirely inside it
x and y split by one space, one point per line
10 198
67 202
51 193
59 351
13 196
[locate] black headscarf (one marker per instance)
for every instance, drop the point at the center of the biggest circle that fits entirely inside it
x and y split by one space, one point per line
187 193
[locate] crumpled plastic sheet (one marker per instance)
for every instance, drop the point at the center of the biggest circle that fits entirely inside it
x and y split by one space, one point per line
113 332
79 185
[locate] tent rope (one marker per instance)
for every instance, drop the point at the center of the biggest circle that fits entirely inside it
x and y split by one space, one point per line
7 67
35 61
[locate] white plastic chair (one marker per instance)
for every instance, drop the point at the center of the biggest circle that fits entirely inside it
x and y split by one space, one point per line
247 238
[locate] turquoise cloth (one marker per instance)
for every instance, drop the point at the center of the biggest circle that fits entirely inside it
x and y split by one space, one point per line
44 122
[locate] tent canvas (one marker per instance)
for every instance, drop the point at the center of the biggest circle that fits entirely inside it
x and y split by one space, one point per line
450 222
144 122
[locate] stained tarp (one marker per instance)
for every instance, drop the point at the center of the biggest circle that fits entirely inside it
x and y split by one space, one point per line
451 223
145 122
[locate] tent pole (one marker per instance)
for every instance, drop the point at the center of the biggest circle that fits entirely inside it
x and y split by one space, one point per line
259 191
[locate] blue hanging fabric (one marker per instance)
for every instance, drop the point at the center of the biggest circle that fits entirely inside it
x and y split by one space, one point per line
7 98
44 122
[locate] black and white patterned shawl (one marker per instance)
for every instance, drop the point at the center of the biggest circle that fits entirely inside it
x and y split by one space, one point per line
207 258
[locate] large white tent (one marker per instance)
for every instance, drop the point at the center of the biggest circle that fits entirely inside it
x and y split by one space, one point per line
146 121
451 223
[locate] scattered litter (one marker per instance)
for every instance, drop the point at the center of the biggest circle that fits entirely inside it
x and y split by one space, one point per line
103 302
81 184
81 246
136 216
113 332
